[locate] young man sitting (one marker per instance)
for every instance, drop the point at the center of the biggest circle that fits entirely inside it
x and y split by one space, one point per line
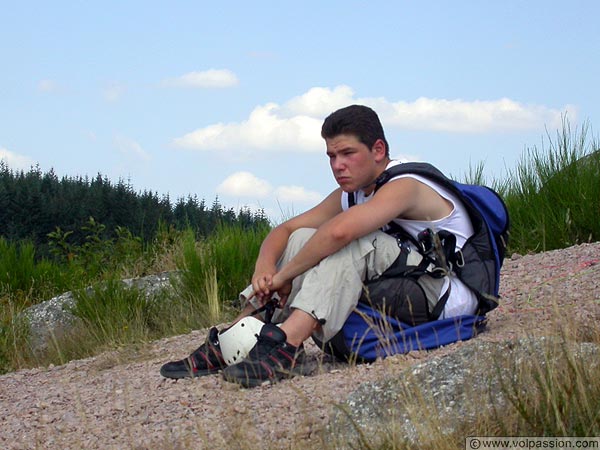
316 263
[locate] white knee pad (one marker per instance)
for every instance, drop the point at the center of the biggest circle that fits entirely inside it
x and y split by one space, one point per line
237 340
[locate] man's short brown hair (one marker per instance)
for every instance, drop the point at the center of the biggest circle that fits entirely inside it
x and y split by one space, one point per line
357 120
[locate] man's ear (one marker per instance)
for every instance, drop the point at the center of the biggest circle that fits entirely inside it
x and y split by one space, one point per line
379 150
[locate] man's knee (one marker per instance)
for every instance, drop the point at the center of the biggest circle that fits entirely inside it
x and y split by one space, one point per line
300 236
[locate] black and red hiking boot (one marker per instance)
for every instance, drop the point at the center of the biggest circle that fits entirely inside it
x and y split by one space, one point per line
269 361
206 360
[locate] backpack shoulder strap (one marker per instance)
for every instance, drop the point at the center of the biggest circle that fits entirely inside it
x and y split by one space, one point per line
416 168
351 199
480 258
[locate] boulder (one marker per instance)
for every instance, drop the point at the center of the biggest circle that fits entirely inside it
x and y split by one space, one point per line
54 317
442 389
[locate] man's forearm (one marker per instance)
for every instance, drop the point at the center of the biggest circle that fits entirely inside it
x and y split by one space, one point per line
321 244
332 236
272 248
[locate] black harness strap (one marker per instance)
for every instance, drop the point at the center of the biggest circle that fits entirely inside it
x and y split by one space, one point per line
268 308
437 248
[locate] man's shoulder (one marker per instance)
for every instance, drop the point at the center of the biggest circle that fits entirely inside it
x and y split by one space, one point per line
413 197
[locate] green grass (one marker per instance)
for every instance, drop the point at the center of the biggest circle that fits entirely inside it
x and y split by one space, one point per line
111 315
232 251
26 279
14 334
116 315
553 195
213 271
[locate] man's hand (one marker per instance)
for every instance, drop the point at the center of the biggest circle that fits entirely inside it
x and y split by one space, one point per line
282 287
265 284
261 282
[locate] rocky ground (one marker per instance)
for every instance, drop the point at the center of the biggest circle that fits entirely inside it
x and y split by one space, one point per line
119 400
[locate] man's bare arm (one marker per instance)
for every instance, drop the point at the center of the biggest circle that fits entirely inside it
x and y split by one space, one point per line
391 201
274 244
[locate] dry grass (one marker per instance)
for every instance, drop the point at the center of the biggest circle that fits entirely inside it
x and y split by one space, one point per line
550 387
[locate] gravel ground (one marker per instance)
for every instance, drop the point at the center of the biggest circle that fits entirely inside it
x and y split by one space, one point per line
118 399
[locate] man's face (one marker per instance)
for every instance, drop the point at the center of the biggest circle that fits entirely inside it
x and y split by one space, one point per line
353 164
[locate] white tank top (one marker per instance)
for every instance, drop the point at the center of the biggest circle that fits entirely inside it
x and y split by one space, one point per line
461 300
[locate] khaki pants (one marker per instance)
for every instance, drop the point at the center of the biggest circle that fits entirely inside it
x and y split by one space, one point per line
330 290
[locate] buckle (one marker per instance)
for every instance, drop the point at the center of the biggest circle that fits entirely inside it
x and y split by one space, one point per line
459 259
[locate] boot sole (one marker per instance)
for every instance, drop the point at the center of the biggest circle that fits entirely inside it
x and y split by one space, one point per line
179 374
250 382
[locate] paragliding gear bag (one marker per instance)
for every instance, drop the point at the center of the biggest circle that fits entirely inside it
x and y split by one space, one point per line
477 264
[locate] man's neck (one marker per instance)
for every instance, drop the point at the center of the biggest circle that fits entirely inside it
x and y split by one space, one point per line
368 190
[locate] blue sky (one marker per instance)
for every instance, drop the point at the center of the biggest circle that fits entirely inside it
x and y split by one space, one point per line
227 98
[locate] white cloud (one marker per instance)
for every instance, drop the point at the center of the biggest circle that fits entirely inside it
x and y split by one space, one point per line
319 102
460 116
280 201
266 129
130 147
15 161
297 194
296 125
213 78
244 184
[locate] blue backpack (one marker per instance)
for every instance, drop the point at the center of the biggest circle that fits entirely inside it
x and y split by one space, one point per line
368 334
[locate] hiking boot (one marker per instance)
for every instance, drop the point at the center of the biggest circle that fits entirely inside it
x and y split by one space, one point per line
269 361
206 360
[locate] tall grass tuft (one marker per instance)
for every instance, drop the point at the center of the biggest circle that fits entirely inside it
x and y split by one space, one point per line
109 315
213 304
553 195
115 314
212 272
209 274
14 332
232 251
26 279
562 396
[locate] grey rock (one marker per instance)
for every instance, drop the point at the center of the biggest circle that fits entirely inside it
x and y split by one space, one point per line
53 317
443 387
151 284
